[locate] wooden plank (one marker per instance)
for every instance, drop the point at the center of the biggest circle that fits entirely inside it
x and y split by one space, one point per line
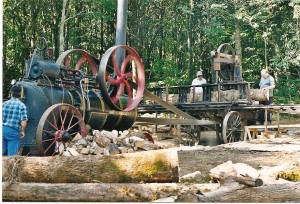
225 60
169 121
274 126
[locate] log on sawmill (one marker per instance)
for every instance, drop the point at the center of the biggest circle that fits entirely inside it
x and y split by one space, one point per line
226 95
259 94
150 166
98 192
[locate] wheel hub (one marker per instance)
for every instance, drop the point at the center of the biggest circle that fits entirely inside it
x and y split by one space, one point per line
62 136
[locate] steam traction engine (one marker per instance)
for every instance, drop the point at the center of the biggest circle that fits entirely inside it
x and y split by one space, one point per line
77 93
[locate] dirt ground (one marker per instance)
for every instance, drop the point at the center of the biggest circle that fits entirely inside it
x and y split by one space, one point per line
208 154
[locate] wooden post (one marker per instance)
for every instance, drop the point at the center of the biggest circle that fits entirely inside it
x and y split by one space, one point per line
179 133
266 119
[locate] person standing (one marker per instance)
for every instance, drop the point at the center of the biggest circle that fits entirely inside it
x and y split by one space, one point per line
267 82
198 90
14 122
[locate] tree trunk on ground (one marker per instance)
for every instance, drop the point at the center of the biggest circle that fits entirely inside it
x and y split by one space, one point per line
152 166
231 192
92 192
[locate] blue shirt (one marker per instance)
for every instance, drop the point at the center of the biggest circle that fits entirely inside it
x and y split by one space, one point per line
13 112
265 82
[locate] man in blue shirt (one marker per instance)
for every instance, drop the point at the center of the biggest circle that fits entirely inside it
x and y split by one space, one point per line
14 122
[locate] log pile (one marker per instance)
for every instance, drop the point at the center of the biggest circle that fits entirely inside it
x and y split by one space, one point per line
147 176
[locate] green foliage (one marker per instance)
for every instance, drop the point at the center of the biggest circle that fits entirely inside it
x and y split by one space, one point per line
173 37
167 73
287 91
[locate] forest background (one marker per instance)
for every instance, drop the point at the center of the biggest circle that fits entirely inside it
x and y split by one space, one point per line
174 38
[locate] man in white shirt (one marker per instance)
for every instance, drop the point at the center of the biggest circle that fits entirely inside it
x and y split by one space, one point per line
198 90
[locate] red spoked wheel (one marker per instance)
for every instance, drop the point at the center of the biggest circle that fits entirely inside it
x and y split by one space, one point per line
117 80
76 58
58 125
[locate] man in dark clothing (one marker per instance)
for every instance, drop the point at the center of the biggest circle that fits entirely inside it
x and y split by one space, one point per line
14 122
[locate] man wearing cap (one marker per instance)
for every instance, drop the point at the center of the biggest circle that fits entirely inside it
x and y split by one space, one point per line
198 90
14 122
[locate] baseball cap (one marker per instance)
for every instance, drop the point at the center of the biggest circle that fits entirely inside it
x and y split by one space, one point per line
199 73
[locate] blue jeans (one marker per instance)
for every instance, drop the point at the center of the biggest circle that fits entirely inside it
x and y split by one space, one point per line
10 141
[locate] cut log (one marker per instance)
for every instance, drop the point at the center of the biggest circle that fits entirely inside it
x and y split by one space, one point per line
98 192
259 95
226 95
249 181
238 193
150 166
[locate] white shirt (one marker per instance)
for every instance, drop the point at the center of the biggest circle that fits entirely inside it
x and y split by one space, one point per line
196 81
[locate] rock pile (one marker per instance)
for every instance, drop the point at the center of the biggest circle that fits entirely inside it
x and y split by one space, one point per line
110 142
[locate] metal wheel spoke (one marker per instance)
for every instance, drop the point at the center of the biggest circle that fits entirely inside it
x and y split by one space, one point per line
124 63
129 93
54 119
75 124
55 127
75 133
64 120
47 131
49 146
113 81
73 113
48 139
120 91
60 115
128 75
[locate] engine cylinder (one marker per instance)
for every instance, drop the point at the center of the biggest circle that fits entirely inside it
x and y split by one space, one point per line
44 67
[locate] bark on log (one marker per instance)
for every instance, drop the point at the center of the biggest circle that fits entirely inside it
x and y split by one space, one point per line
249 181
233 192
259 94
226 95
98 192
152 166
